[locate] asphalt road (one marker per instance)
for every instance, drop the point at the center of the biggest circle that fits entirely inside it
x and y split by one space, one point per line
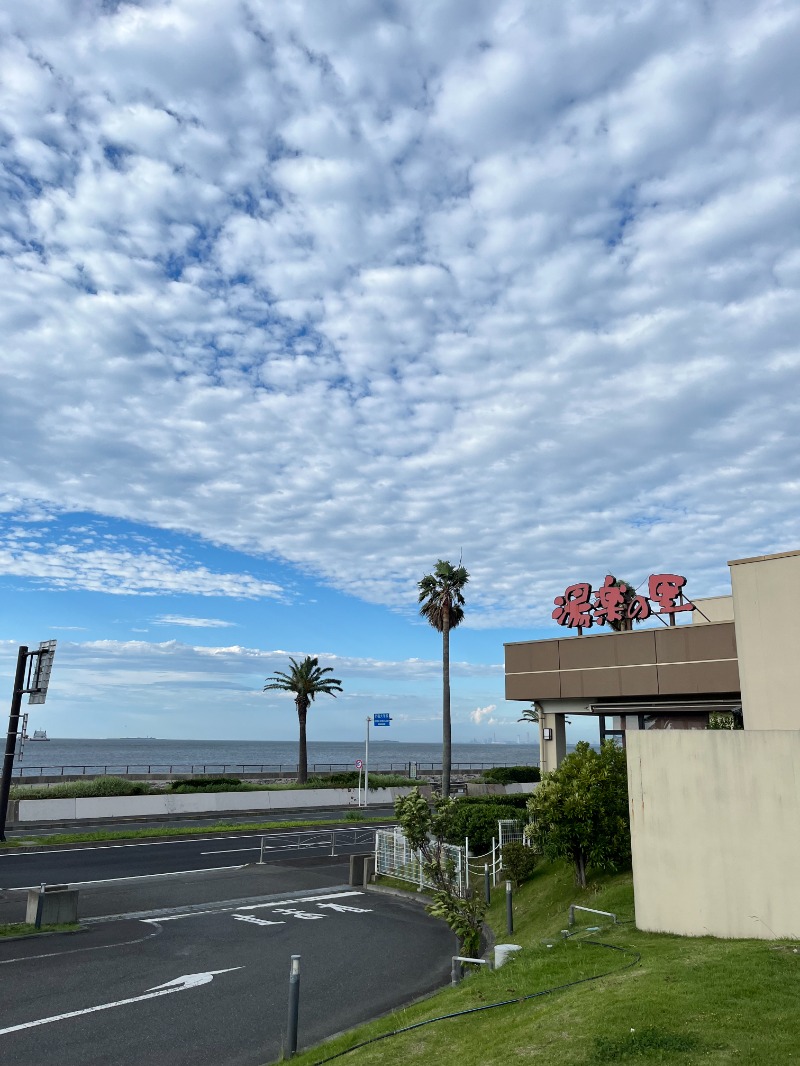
208 987
296 814
84 865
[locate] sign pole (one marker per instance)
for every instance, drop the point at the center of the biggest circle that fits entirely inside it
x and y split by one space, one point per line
366 766
11 739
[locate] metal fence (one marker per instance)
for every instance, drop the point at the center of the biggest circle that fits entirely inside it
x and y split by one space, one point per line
395 858
410 769
329 841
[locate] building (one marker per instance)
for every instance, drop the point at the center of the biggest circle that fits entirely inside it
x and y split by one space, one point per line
714 813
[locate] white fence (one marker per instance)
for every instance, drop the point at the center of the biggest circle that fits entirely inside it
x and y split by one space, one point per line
395 858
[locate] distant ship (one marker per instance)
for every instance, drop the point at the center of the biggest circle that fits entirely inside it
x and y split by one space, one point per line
39 734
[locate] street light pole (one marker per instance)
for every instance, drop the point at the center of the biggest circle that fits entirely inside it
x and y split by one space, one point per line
11 739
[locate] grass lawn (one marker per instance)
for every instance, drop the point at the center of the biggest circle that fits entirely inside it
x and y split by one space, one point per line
686 1001
23 929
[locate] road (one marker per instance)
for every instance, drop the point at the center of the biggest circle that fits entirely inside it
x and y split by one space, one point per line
77 864
208 987
297 814
118 878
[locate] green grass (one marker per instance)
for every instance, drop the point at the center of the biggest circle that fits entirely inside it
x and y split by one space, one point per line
23 929
687 1001
165 832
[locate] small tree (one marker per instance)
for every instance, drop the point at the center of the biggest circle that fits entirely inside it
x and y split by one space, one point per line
426 829
580 811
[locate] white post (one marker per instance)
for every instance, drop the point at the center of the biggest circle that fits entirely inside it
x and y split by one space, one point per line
421 879
494 862
359 785
366 766
466 860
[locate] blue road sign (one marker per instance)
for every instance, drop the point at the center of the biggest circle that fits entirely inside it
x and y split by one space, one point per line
381 719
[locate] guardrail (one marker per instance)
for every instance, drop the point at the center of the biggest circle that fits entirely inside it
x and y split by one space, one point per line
102 769
337 840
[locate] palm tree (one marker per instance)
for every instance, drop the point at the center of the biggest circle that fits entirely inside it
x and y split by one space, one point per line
306 680
441 600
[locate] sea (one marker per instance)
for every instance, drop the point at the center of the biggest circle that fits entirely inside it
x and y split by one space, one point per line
74 756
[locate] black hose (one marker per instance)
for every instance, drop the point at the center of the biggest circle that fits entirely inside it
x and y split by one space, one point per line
502 1003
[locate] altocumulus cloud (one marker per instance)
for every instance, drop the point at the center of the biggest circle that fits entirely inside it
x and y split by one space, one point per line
360 286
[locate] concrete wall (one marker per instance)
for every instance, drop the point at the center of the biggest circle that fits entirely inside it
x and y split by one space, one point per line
714 609
766 592
117 807
714 831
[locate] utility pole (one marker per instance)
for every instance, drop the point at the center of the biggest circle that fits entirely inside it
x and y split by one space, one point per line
36 665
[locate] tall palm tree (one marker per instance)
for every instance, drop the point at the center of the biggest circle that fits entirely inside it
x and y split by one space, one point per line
441 600
306 680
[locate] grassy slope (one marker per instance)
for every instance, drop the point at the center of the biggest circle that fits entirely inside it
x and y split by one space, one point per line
688 1001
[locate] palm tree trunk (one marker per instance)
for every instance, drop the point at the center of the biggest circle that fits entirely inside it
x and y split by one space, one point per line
446 745
302 751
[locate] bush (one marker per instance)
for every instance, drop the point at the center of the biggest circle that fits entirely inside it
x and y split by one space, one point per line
207 784
478 822
519 862
511 775
349 779
98 787
520 800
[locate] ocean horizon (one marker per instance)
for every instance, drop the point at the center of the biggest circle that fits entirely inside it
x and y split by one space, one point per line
114 754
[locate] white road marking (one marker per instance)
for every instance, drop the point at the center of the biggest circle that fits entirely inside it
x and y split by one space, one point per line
247 907
255 921
180 984
231 851
341 909
137 877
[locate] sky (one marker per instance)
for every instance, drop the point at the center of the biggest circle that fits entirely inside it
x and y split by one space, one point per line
299 297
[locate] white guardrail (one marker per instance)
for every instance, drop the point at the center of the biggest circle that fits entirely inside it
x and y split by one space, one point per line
333 841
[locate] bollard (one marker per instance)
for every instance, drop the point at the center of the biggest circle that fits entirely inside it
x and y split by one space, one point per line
39 907
294 1006
487 884
509 909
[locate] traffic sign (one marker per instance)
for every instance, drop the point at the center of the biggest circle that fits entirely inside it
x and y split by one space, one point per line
359 764
381 719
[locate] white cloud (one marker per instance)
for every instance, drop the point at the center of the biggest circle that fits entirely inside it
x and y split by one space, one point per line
360 288
481 713
191 623
120 571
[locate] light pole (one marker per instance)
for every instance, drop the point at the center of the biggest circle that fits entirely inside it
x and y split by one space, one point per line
32 676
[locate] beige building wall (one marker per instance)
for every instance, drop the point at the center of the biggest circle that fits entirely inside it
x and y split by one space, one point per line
766 598
714 832
713 609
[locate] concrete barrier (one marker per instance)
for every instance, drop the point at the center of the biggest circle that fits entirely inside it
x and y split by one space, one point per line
162 806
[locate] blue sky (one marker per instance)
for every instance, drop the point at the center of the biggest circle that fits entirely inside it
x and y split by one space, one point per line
298 298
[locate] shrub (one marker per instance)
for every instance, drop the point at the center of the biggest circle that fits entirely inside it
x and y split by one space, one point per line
478 822
511 775
519 862
99 786
518 800
349 779
206 784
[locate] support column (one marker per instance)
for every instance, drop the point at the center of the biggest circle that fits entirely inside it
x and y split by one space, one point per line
553 751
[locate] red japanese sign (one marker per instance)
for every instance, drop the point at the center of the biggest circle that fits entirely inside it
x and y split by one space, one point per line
616 603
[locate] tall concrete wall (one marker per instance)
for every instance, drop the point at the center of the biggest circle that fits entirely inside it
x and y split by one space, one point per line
715 832
765 598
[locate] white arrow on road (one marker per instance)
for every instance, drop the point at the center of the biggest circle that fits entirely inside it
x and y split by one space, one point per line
180 984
